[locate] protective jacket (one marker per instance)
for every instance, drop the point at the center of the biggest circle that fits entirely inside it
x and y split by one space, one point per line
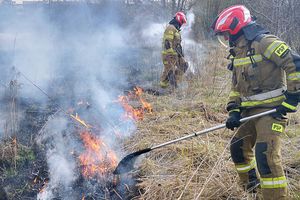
171 40
259 69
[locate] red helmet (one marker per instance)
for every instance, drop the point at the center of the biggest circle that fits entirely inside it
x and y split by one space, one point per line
232 20
180 17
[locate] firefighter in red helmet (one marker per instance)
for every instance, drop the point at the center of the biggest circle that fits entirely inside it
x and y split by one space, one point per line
172 54
265 75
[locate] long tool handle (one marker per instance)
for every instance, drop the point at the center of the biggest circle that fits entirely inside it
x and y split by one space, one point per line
212 129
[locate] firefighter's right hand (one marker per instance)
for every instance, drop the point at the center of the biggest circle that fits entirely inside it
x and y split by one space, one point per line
233 120
289 105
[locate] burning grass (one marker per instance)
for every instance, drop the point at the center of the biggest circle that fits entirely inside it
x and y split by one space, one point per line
130 111
97 159
199 168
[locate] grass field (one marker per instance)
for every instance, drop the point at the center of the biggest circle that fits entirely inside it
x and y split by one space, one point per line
199 168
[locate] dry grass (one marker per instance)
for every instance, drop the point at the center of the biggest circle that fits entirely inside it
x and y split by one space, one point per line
199 168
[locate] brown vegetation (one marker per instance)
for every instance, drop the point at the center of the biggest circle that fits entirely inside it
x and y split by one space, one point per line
200 168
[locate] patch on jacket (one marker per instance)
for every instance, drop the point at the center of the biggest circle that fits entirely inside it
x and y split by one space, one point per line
282 50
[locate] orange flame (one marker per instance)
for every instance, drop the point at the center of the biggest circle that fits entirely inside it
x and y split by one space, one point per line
131 112
97 159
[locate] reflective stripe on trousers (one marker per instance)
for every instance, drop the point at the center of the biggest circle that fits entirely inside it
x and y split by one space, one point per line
246 167
277 182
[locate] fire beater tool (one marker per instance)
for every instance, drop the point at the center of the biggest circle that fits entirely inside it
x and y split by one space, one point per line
127 163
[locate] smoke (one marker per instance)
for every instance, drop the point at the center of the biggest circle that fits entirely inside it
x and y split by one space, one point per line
61 164
74 54
71 56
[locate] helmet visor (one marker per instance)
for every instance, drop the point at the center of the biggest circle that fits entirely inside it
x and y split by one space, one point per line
223 38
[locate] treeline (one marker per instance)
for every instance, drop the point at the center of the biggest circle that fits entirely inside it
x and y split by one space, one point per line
280 17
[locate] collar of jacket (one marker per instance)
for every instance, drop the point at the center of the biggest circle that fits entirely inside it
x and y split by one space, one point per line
175 23
249 33
253 30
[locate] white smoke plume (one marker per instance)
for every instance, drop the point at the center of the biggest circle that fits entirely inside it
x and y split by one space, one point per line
62 166
79 54
72 57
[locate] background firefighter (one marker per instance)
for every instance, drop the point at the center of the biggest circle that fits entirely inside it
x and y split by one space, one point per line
265 75
172 54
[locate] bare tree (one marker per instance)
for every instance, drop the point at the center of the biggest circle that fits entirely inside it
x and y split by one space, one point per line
281 17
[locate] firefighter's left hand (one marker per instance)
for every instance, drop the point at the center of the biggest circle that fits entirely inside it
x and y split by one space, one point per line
289 105
233 120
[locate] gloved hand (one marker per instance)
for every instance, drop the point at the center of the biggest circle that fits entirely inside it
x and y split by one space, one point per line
233 120
185 66
289 105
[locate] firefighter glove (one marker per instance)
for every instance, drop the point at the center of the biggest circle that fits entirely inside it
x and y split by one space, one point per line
185 66
233 120
289 105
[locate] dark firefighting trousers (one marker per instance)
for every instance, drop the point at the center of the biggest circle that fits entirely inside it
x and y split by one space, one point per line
262 136
174 69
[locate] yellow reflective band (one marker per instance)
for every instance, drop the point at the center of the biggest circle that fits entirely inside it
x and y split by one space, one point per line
164 84
281 49
170 32
169 37
245 61
289 106
271 48
169 51
267 101
246 167
235 110
234 94
277 127
277 182
294 76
